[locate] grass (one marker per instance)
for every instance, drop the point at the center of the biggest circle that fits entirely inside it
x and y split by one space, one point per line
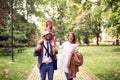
19 69
102 61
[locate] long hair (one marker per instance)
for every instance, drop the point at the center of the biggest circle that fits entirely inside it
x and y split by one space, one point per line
49 21
74 38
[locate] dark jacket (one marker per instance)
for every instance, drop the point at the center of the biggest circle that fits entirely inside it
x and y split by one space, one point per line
40 57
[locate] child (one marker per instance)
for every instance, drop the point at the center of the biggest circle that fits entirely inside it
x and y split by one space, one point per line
50 28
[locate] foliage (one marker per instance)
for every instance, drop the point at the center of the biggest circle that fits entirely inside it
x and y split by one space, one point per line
23 31
4 11
113 20
60 26
81 24
114 31
4 36
84 18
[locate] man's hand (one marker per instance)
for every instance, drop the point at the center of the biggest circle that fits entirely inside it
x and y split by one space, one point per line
38 47
40 41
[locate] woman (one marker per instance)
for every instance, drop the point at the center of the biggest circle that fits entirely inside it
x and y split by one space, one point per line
69 47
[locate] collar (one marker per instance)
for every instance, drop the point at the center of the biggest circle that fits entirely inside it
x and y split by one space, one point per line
46 42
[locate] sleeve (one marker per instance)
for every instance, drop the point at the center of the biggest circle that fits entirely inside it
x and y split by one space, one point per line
60 46
76 49
37 53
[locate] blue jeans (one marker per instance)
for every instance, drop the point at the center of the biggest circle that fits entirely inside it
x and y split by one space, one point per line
46 68
67 76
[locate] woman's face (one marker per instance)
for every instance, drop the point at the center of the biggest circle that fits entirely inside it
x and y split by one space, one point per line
70 38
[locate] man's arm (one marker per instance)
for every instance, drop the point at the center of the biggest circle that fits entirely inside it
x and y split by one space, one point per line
38 48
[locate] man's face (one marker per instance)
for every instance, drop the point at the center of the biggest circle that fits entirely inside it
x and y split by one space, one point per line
47 37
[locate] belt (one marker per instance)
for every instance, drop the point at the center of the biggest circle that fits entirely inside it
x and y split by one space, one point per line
46 62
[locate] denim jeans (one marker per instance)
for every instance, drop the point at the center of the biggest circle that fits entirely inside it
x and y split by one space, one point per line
67 76
46 68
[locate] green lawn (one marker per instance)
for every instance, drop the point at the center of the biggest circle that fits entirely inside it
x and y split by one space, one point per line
19 69
102 61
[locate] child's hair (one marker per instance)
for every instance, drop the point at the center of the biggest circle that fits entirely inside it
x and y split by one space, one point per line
49 21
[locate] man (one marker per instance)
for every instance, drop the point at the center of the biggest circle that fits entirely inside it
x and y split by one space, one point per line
46 56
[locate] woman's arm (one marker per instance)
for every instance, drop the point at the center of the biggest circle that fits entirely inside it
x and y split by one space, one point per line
76 49
60 46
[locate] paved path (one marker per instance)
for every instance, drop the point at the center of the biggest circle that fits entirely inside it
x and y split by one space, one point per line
83 74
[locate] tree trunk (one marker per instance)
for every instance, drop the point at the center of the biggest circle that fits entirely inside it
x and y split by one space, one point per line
97 41
117 40
98 33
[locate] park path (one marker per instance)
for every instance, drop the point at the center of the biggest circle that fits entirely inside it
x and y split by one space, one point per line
83 74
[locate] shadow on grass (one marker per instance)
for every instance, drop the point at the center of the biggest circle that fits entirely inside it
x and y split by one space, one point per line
117 49
109 76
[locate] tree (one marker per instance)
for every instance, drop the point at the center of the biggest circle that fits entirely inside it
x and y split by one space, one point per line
22 29
81 22
4 11
113 20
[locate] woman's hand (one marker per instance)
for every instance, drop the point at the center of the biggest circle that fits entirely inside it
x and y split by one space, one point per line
55 50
